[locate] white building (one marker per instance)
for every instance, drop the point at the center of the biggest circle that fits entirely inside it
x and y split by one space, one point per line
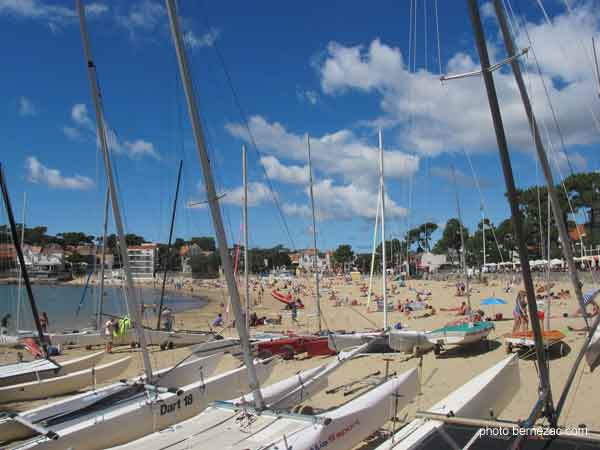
304 259
43 263
431 261
143 260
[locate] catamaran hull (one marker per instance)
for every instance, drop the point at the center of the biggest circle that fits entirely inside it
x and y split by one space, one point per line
8 341
491 390
339 429
153 337
458 337
409 341
185 374
72 382
343 341
135 418
11 374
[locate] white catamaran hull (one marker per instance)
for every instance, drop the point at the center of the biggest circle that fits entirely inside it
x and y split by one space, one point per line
491 390
339 429
72 382
407 341
153 337
344 341
457 337
186 373
144 413
43 368
7 340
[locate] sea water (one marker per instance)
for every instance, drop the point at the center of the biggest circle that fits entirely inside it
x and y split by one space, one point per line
61 303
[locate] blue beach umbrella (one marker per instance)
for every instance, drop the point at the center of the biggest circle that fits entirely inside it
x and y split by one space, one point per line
492 301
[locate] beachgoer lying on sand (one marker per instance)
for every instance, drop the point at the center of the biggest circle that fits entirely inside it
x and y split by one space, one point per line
473 318
463 310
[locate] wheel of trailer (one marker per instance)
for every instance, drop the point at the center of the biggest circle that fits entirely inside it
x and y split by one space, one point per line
307 410
437 349
170 345
264 354
218 337
509 347
88 347
287 352
163 346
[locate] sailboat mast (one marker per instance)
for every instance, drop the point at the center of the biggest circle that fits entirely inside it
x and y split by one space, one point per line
545 402
245 219
463 253
483 231
213 203
375 228
131 295
314 233
548 298
384 268
557 210
20 277
44 339
542 156
103 261
170 243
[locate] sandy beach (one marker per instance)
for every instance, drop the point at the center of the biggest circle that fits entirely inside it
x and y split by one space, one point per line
440 374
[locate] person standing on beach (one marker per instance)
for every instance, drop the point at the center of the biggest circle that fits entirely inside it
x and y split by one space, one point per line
294 312
520 313
169 319
109 330
44 322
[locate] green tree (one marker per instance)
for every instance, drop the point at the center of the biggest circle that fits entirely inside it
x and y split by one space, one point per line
343 255
206 243
205 265
75 238
450 239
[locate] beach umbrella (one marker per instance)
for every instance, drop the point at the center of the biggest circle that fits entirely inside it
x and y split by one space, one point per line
493 301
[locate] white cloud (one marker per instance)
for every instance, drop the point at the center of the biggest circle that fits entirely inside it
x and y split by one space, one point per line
258 193
95 9
341 153
343 202
134 149
71 132
432 118
79 115
288 174
140 148
461 178
195 41
54 15
144 15
40 174
308 96
26 107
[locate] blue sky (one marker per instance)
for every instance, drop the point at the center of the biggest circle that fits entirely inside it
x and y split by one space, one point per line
335 70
